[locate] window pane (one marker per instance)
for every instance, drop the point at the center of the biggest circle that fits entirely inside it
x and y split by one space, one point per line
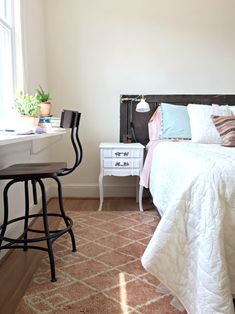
3 9
6 71
6 11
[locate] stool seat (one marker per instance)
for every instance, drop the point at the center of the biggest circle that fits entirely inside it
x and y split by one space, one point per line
35 170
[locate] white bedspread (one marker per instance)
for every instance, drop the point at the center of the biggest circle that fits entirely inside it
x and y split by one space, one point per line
192 251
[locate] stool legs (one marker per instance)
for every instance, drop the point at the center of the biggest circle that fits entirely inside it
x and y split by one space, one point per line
5 203
35 199
47 233
60 200
48 236
26 220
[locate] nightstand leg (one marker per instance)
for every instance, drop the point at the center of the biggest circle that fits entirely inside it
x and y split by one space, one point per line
101 188
141 189
137 190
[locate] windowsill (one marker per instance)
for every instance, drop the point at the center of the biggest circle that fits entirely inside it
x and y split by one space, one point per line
6 139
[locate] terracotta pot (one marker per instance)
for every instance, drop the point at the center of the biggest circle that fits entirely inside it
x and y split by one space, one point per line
26 123
45 109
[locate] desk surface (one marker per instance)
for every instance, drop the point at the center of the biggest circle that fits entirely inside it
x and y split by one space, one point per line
6 139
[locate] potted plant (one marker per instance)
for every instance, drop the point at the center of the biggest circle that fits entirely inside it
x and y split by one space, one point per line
44 100
29 108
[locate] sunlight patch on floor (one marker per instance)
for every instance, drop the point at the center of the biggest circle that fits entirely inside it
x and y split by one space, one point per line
123 293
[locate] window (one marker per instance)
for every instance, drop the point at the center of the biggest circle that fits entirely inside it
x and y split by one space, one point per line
10 54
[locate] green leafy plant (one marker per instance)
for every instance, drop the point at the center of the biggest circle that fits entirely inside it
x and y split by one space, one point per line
27 105
41 95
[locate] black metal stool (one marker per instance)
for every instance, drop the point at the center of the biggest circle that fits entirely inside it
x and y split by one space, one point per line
35 172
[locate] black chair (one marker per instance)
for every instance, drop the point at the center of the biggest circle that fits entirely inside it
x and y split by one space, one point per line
36 172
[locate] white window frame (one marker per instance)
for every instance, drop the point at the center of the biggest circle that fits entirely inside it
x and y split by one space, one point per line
12 24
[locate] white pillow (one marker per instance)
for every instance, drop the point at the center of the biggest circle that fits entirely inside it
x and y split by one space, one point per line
202 127
232 108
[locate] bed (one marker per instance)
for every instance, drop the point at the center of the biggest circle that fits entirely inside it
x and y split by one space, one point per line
192 251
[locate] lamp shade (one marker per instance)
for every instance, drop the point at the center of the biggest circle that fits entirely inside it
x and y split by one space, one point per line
142 106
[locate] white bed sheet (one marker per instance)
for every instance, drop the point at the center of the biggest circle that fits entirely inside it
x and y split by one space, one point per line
192 251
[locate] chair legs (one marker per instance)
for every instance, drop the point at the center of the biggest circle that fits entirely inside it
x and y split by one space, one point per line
61 206
26 220
5 203
47 232
50 236
35 199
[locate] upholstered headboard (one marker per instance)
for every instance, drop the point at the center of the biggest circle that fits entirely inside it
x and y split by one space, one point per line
140 120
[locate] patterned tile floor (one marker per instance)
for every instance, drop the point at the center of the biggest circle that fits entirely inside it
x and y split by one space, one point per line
105 275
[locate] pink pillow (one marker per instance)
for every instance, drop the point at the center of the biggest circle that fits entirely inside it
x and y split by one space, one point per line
154 125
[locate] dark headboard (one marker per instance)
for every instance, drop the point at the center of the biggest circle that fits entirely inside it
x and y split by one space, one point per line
140 120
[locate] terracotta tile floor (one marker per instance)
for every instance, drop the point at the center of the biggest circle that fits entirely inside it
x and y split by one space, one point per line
105 275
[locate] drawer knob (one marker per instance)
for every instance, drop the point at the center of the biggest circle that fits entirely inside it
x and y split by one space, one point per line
119 164
118 154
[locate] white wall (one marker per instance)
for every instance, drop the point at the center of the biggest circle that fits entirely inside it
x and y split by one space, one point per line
34 51
99 49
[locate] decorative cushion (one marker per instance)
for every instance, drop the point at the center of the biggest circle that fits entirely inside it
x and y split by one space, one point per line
225 125
174 122
202 127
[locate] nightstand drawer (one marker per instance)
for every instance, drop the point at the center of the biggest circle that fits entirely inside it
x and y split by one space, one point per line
120 153
121 163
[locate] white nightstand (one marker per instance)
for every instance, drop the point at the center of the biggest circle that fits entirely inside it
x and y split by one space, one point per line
119 159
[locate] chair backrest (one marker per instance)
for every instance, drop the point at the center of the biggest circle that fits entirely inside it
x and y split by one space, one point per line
70 119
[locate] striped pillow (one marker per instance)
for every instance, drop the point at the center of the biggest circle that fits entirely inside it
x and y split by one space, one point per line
225 125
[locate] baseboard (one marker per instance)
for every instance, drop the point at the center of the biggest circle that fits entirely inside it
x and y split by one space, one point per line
92 190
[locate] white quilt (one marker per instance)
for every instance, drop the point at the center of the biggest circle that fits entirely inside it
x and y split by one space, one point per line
192 251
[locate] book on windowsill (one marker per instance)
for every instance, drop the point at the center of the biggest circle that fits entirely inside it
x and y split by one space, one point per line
50 124
56 129
48 129
55 121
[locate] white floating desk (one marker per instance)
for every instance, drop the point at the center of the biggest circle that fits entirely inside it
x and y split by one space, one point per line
7 138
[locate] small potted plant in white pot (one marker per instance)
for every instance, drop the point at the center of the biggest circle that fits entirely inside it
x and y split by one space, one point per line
43 98
28 107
